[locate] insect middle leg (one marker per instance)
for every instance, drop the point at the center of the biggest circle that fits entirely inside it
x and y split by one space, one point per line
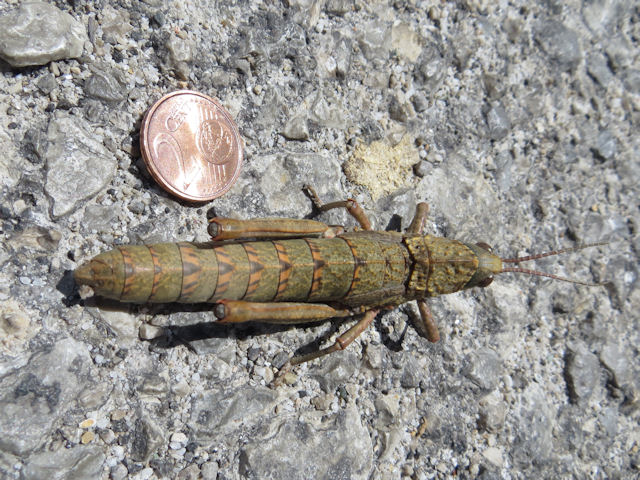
419 221
426 325
350 205
342 342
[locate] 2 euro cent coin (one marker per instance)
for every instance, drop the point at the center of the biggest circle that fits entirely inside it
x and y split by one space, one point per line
191 146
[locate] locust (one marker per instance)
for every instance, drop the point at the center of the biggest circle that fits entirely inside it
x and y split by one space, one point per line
289 271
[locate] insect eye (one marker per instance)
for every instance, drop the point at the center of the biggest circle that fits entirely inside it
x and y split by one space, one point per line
485 282
486 246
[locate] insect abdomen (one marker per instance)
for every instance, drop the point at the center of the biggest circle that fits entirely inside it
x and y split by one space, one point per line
309 269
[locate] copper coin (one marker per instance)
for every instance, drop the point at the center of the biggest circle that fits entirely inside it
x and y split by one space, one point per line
191 146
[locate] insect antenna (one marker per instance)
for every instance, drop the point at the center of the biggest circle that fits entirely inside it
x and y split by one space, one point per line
549 254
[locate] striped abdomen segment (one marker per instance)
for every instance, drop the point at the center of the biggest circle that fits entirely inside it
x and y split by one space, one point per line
309 269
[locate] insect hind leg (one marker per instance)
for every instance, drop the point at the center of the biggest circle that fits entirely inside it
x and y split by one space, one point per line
222 229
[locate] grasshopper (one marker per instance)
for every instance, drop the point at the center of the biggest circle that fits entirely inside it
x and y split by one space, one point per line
289 271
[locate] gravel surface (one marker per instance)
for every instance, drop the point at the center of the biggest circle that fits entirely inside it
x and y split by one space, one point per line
513 120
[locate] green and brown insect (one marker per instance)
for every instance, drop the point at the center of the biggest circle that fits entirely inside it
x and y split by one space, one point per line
291 271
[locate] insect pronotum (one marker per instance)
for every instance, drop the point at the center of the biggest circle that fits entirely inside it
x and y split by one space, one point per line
295 271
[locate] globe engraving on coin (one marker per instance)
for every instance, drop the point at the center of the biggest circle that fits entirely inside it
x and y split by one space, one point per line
191 146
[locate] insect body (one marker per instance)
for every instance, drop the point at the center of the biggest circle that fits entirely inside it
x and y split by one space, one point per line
295 271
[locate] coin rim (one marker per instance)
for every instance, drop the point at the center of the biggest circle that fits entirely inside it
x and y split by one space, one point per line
155 173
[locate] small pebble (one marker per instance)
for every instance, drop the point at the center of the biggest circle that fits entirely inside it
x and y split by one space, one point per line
89 422
149 332
87 437
178 440
119 472
145 473
421 169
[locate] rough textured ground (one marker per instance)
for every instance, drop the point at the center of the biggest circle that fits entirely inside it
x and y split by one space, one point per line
517 121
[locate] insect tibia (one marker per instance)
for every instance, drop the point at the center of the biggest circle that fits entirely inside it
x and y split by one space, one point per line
550 275
553 252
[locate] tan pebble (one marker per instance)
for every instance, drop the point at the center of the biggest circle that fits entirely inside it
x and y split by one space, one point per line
89 422
87 437
290 378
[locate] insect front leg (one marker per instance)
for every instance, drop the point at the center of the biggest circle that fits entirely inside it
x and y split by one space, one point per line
350 205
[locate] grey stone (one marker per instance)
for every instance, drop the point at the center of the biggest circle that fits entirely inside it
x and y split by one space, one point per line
430 70
387 409
498 122
606 145
10 160
631 81
99 218
609 421
614 360
397 210
338 7
601 15
494 86
533 427
598 227
209 470
106 85
296 129
412 374
33 398
115 22
581 373
375 40
280 359
146 437
483 368
400 110
328 111
598 68
74 463
560 43
420 102
180 55
619 51
336 370
37 33
492 413
300 447
215 412
136 206
504 170
119 472
342 54
421 168
46 83
78 164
